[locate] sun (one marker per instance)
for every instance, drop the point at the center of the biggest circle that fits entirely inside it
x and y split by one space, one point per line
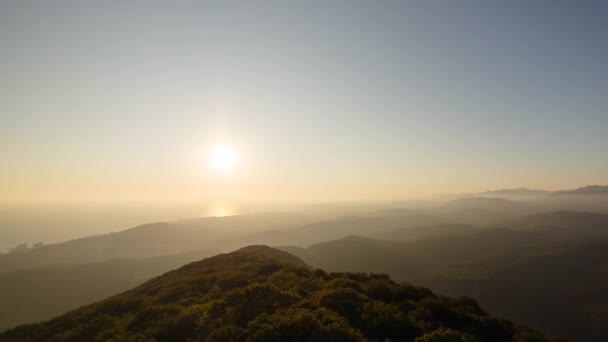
222 158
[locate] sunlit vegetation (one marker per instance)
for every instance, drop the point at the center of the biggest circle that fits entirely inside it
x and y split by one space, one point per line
262 294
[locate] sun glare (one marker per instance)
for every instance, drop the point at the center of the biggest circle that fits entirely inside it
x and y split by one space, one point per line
222 158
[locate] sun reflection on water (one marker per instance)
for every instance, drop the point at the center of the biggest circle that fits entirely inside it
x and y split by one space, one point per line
221 209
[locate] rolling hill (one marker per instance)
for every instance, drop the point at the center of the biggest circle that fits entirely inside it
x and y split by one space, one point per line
550 277
304 228
37 294
155 239
452 258
259 294
163 238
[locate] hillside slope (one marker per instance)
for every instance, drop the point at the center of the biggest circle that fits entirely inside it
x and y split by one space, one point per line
38 294
260 294
155 239
535 277
228 233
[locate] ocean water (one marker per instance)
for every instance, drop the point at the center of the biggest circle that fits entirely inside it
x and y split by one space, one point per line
48 225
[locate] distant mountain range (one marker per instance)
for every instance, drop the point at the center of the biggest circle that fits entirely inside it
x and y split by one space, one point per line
164 238
548 270
592 189
516 192
155 239
467 246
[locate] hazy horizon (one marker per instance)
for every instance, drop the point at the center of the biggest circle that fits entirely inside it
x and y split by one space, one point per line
59 221
120 102
304 170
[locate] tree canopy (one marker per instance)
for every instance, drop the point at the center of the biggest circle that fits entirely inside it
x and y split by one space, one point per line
259 294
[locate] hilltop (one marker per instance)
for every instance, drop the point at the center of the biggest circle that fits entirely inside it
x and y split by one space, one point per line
258 293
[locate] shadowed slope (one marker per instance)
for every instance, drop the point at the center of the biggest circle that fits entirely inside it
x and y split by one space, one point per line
41 293
551 277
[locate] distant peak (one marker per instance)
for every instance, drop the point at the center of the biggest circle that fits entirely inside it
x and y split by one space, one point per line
255 249
590 189
256 253
515 192
354 238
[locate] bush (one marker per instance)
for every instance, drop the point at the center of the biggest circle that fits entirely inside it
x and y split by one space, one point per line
444 335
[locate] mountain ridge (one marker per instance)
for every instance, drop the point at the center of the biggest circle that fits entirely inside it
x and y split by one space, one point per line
589 189
258 293
514 272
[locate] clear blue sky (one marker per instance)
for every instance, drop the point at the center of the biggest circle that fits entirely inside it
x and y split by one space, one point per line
321 99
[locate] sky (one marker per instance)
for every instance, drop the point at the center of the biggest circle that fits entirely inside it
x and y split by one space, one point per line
120 101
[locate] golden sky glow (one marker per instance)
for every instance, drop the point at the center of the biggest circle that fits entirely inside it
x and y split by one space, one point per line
315 102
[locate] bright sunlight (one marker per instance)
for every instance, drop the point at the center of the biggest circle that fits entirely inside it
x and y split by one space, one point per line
222 158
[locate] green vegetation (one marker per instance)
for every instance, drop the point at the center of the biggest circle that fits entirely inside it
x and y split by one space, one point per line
259 294
552 277
33 295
